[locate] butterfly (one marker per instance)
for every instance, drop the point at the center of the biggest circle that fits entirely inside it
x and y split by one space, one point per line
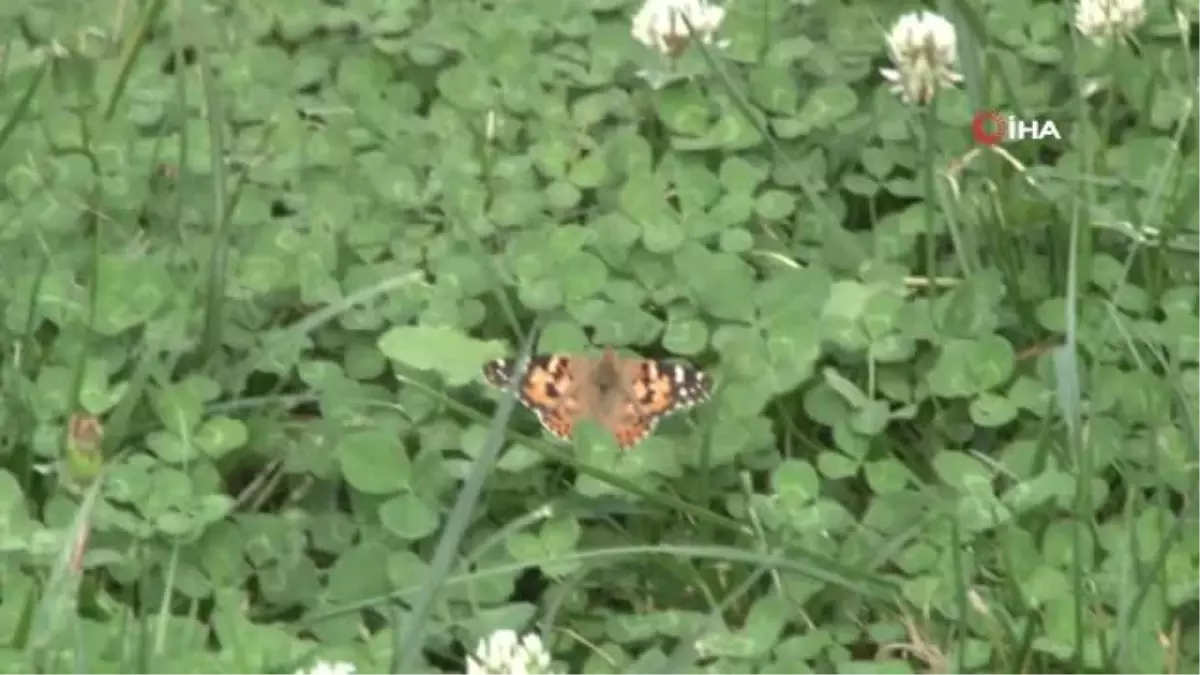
626 396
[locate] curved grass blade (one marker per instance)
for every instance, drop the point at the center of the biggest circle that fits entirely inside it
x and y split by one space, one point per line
811 565
410 638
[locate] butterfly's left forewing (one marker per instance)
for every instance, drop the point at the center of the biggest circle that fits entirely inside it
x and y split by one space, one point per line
544 387
498 372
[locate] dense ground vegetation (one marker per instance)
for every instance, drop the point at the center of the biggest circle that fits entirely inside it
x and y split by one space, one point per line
257 253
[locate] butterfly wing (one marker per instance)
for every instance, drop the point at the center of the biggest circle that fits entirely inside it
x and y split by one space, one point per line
630 427
655 389
660 387
546 387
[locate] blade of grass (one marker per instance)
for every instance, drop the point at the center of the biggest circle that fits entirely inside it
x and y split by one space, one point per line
487 154
664 500
22 108
58 603
221 240
689 649
310 322
742 104
130 50
410 638
1154 574
814 566
1067 393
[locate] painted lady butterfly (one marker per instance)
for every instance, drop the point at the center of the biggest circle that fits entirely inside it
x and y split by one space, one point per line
626 396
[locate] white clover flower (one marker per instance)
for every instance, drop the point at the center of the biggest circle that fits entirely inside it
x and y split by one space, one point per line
501 653
1101 20
329 668
663 24
924 49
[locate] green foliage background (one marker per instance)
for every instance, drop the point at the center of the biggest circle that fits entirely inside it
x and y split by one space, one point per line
266 247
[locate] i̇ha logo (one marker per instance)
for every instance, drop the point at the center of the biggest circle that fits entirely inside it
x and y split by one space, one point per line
989 127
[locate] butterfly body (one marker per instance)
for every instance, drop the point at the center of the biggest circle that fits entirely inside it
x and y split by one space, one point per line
626 396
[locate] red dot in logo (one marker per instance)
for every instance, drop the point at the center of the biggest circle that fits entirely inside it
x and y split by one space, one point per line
988 127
